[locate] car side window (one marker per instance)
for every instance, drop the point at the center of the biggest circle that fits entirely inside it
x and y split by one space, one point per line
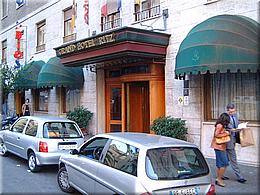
19 126
122 156
94 148
32 128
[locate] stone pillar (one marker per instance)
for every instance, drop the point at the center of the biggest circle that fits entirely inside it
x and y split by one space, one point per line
101 111
88 98
53 102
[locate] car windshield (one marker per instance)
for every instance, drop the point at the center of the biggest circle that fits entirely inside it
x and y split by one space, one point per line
57 130
173 163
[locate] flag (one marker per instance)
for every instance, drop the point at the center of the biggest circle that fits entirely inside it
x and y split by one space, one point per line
86 10
119 4
138 2
104 7
73 17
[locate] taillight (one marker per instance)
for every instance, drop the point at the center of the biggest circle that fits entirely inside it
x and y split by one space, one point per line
211 190
43 147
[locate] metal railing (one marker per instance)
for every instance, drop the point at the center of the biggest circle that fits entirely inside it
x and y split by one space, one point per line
68 38
147 13
111 24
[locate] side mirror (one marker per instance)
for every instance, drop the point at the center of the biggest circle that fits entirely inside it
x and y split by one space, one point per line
74 151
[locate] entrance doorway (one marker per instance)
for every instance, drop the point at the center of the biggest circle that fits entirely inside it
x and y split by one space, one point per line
128 107
114 108
135 97
137 107
19 101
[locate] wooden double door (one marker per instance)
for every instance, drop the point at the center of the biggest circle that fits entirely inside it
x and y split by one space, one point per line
128 107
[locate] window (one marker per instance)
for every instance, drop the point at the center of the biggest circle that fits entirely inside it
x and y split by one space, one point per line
175 163
4 51
41 99
19 125
146 9
58 130
32 128
123 157
110 21
41 36
68 26
4 8
70 99
93 148
242 89
140 69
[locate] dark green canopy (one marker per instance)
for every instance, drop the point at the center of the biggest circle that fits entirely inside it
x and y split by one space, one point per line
27 77
53 74
220 43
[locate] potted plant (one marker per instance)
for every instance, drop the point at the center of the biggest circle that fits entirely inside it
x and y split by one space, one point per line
81 116
171 127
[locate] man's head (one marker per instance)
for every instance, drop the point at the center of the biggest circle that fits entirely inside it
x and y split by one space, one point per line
231 110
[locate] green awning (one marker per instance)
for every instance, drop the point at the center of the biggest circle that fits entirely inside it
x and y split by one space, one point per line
28 75
221 43
53 74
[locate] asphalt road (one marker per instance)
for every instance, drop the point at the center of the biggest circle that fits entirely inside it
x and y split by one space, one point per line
16 179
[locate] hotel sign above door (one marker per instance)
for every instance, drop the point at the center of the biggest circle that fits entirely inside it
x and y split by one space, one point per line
85 44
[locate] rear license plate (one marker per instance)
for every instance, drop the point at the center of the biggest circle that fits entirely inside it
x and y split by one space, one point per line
67 147
186 191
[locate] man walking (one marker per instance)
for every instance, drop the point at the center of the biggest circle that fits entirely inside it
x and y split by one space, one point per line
234 137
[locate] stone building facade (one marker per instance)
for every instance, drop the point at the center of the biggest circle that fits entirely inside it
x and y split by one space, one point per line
175 18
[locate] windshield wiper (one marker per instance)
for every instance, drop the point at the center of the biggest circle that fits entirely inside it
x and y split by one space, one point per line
185 175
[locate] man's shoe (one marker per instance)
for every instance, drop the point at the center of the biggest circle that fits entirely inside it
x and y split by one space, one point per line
225 178
241 180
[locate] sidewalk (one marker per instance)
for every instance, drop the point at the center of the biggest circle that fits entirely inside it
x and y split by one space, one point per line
251 186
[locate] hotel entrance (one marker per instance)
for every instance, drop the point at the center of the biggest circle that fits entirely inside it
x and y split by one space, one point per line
134 97
137 107
130 79
128 108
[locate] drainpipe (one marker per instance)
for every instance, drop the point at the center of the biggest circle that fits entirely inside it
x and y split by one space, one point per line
165 16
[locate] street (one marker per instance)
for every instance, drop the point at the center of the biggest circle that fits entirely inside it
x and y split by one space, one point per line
16 179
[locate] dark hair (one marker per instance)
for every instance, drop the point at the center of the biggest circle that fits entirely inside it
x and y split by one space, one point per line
230 106
223 119
27 99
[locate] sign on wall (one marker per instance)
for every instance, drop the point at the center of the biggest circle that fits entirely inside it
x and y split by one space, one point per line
18 54
180 100
19 3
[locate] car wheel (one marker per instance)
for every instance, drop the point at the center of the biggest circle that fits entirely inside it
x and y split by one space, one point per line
63 180
3 149
32 163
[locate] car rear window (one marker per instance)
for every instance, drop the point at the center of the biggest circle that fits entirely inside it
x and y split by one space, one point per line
173 163
57 130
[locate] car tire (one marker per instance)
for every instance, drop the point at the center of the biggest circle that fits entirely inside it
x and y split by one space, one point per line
3 149
32 163
63 180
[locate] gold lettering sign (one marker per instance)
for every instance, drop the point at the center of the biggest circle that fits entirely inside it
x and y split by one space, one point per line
86 44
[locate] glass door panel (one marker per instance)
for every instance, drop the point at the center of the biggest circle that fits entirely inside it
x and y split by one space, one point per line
115 104
114 108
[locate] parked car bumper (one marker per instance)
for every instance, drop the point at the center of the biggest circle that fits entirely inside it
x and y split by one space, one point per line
49 158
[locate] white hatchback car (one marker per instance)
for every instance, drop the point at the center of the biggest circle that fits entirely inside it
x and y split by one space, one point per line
135 163
40 139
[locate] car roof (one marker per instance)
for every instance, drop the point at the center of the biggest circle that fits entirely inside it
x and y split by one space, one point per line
146 140
47 118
